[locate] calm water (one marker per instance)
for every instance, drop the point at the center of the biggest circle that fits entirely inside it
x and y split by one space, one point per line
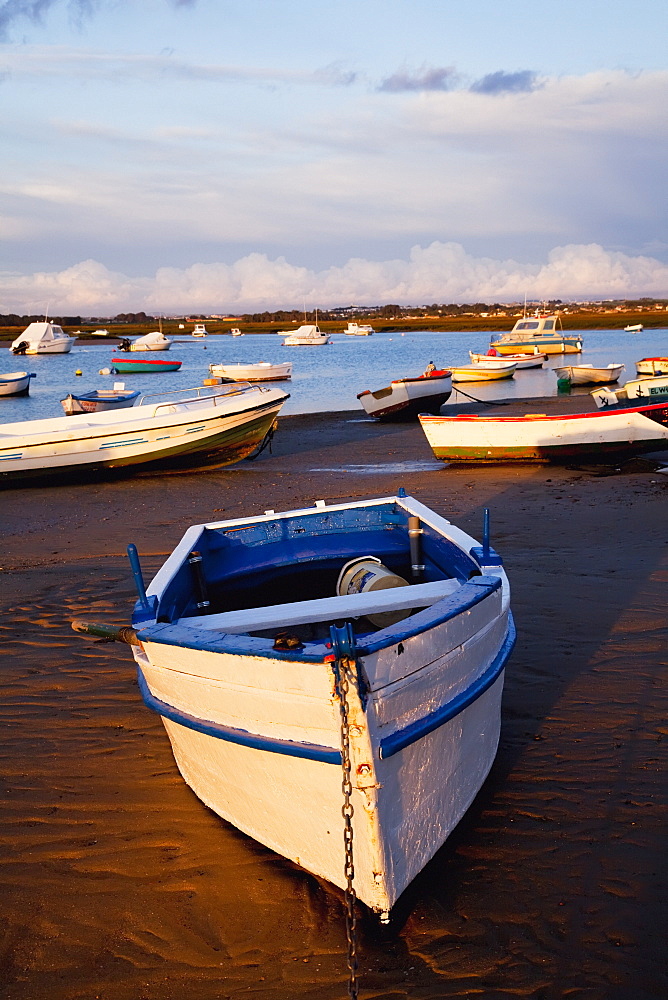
325 379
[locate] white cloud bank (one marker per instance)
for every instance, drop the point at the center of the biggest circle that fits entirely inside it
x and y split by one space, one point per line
441 272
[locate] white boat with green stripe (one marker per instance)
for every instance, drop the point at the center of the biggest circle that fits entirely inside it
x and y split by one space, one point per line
225 422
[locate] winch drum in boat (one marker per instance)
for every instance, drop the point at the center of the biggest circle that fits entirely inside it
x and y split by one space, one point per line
367 573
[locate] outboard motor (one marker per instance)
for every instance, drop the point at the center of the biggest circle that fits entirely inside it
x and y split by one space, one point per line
124 344
21 348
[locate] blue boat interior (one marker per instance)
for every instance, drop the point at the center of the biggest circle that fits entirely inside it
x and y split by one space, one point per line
299 558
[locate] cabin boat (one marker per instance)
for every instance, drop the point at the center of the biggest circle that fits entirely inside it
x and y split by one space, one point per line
42 338
537 437
252 692
634 328
652 366
534 360
542 331
589 374
16 383
97 400
358 330
261 371
200 330
404 398
155 341
653 390
144 365
307 335
483 372
226 422
236 332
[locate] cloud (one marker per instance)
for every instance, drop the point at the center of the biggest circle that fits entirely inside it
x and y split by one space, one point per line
440 272
15 11
437 78
506 83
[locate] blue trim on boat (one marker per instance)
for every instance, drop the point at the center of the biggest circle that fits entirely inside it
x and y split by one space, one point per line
120 444
309 751
417 730
389 746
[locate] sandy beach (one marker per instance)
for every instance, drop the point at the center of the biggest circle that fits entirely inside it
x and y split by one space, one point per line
117 883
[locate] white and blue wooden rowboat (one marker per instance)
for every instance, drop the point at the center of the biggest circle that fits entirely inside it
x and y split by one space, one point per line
16 383
239 647
98 400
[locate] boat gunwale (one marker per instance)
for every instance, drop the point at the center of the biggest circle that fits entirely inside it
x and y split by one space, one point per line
101 430
471 593
533 417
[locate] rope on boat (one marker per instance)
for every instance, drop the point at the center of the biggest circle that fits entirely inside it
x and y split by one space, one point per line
265 443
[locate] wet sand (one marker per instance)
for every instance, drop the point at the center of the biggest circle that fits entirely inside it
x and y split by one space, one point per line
117 883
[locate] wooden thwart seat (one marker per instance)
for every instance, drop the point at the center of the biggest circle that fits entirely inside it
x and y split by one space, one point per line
326 608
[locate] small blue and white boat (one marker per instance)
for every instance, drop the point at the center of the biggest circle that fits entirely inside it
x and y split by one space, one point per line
369 636
16 383
99 400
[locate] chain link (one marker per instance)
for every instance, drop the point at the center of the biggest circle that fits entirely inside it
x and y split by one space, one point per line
342 688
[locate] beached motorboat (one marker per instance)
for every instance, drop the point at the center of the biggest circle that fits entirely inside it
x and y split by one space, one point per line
261 371
384 661
537 437
200 330
484 372
589 374
634 328
534 360
652 366
404 398
155 341
227 422
543 331
16 383
97 400
358 330
127 365
654 390
307 335
42 338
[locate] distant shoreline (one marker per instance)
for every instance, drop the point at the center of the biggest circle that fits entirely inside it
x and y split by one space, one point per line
451 324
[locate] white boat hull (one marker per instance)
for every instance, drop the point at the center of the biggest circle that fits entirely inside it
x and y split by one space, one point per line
42 338
263 371
307 335
483 372
541 438
519 360
589 374
257 734
15 383
652 366
231 426
651 390
405 398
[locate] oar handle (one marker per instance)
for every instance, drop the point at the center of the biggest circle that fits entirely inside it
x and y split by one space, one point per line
112 632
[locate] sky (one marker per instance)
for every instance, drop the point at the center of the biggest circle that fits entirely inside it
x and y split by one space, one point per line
230 156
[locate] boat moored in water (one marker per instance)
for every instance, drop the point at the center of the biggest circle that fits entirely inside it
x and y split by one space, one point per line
404 398
542 331
532 360
483 372
358 330
97 400
307 335
391 617
16 383
144 365
227 422
42 338
155 341
589 374
261 371
652 366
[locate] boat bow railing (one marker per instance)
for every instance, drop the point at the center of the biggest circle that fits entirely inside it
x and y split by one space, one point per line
201 392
